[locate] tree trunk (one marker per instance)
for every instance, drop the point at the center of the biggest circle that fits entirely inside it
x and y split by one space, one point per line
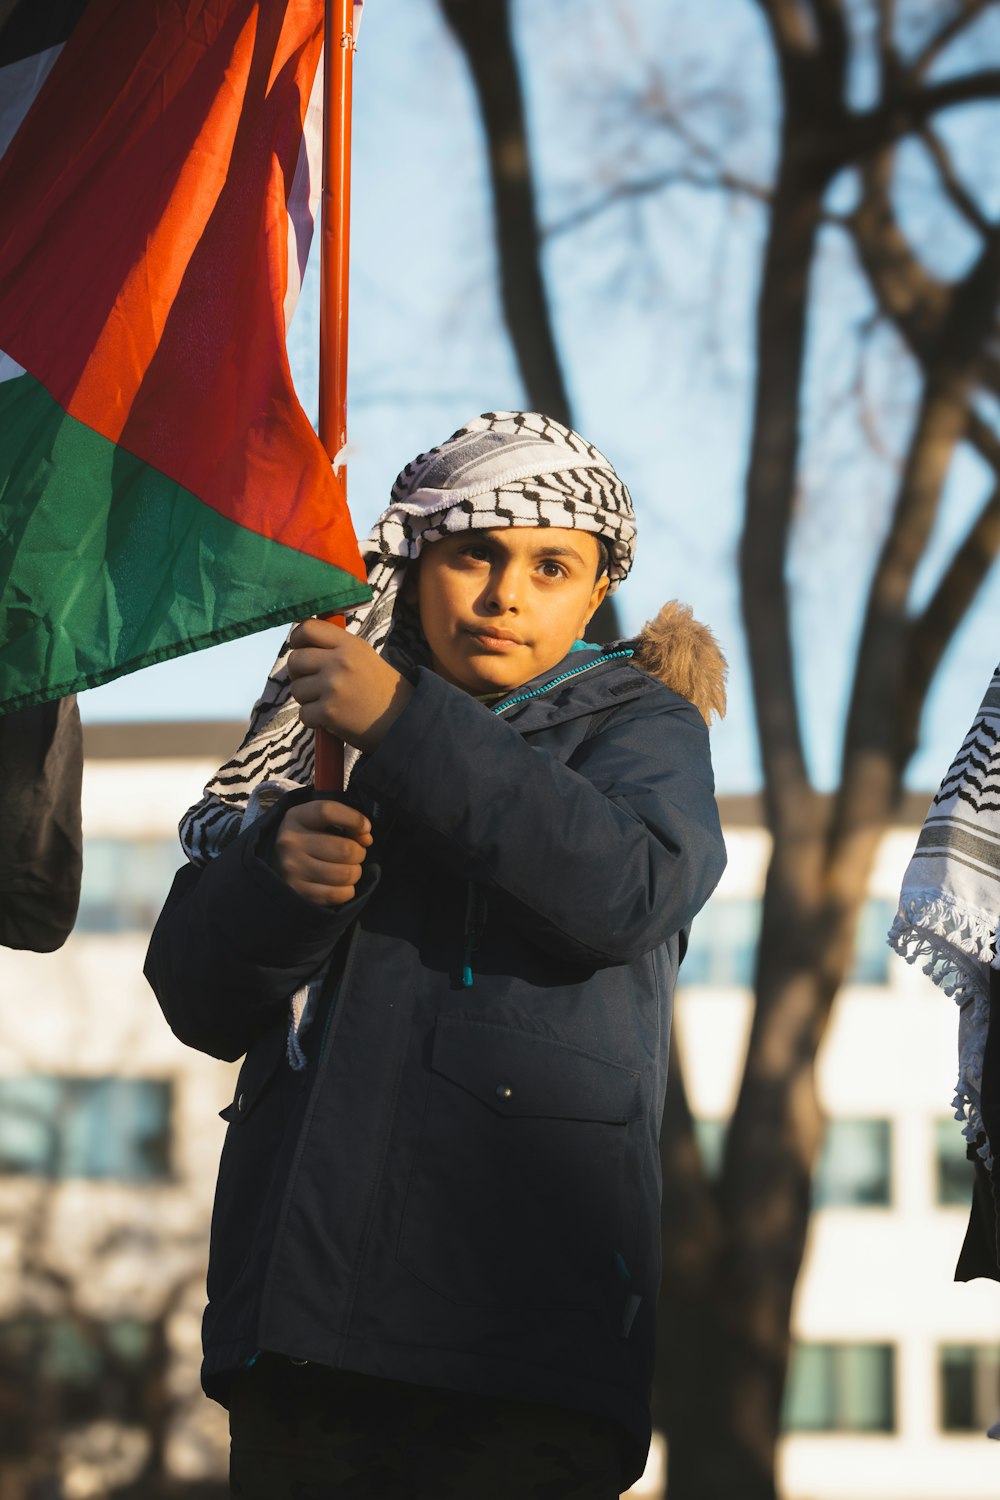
483 30
725 1413
726 1313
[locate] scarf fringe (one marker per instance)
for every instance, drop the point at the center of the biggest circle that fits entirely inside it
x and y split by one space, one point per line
949 904
962 976
967 939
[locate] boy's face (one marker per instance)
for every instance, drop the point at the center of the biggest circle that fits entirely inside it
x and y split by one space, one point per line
499 607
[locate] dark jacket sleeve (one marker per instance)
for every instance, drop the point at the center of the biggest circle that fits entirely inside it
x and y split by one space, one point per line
41 858
234 942
604 857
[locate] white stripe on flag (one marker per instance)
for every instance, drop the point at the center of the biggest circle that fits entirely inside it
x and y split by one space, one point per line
9 368
303 200
307 184
19 84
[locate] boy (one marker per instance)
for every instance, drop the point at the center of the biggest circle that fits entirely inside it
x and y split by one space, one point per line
435 1248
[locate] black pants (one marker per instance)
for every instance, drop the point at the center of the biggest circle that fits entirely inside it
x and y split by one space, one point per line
303 1432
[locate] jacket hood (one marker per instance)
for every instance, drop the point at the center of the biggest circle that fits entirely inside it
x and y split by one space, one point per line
685 656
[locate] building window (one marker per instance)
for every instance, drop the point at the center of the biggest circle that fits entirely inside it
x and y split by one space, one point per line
855 1165
723 943
723 946
125 883
711 1138
871 948
954 1173
841 1388
854 1169
85 1127
969 1376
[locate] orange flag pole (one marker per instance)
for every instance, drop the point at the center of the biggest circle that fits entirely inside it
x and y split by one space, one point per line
335 238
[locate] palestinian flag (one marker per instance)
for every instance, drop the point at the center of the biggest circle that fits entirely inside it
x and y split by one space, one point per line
161 488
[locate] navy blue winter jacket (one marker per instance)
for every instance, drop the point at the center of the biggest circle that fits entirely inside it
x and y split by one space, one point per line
461 1189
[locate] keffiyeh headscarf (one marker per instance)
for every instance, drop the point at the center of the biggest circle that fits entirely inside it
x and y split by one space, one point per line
502 469
949 905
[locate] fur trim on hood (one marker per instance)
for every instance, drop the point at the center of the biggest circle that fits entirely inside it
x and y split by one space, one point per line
685 656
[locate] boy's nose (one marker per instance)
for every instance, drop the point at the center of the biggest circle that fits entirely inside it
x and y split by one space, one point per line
503 591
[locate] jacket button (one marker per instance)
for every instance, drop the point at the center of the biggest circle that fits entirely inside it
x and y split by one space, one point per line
241 1101
504 1091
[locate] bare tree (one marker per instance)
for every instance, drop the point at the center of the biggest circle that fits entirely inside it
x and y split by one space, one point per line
733 1249
734 1253
483 29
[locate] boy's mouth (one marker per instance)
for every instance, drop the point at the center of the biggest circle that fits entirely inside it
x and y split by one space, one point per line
495 640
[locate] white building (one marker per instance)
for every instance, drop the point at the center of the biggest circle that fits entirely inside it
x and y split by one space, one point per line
896 1377
109 1139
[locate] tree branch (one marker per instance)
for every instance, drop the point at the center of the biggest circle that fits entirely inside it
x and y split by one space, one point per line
985 441
905 111
789 25
989 368
872 758
641 187
959 585
770 495
703 153
484 31
952 184
887 52
833 37
482 28
966 12
886 703
913 300
932 632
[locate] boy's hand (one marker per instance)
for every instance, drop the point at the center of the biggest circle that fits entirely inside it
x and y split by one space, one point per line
319 849
343 685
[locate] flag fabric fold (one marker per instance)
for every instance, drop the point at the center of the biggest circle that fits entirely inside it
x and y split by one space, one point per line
161 488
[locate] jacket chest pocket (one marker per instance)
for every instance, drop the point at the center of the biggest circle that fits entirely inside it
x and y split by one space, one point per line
516 1196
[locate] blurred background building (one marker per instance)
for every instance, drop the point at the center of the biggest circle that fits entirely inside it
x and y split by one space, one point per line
110 1136
894 1375
109 1144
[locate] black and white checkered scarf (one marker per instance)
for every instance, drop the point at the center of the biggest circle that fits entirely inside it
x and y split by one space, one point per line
949 905
502 469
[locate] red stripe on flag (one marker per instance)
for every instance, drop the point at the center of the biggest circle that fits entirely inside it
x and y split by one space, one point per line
143 262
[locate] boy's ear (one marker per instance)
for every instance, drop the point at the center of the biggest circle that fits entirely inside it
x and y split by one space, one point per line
601 586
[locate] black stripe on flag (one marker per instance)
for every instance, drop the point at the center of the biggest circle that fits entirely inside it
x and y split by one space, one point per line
31 26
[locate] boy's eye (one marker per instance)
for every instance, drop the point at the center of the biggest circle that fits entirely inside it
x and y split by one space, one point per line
552 569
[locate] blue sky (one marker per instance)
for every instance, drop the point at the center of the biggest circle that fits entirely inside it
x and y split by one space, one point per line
653 303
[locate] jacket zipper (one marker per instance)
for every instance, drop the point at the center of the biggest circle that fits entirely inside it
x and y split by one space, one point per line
502 708
475 899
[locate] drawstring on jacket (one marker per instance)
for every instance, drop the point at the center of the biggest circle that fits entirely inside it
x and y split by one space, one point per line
475 921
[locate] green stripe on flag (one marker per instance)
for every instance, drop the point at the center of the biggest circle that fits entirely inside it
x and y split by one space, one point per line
107 566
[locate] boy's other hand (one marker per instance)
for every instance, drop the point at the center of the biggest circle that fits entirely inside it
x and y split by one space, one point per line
344 686
319 850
